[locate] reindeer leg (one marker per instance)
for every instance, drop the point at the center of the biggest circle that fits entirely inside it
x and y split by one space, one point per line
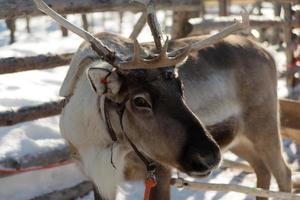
270 152
266 140
246 151
162 190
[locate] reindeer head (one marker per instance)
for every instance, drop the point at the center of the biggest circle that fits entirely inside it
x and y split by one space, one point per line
154 114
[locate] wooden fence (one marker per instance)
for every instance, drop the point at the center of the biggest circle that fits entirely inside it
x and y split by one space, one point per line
290 110
21 8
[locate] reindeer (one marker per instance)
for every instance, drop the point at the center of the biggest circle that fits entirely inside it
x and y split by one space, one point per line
176 104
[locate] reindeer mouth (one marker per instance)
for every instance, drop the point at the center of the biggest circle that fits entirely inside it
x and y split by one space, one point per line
200 174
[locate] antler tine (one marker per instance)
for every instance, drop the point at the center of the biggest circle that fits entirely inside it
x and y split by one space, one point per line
159 61
136 51
237 26
153 22
162 59
97 45
164 51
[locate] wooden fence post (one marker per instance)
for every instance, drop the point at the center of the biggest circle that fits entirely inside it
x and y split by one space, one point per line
223 7
85 23
288 38
11 25
121 15
180 26
64 31
202 9
276 36
28 24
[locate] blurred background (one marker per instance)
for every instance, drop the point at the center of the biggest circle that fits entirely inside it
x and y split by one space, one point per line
34 56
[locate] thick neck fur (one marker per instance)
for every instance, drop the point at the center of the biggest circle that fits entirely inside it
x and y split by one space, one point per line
82 125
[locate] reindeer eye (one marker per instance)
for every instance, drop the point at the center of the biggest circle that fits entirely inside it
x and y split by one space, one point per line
141 102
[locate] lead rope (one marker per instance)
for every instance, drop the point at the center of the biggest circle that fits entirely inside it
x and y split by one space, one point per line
150 183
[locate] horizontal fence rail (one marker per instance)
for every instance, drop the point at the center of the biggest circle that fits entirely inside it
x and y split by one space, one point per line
290 113
74 192
181 183
221 22
282 1
48 61
13 64
19 8
29 113
11 166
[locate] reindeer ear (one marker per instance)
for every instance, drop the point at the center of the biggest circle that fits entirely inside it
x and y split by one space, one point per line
104 81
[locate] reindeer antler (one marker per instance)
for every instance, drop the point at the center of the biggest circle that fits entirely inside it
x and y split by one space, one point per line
163 59
96 44
171 59
237 26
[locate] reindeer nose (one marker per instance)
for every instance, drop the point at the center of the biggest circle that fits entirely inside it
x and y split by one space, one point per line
201 161
207 162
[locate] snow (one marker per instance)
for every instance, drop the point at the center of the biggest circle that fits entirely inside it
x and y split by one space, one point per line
33 184
40 136
29 138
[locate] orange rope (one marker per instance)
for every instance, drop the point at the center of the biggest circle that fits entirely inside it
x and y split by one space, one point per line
149 184
35 168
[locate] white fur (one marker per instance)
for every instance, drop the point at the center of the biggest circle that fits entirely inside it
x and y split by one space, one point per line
96 165
83 126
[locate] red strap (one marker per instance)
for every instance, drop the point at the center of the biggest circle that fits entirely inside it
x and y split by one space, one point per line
35 168
104 81
150 182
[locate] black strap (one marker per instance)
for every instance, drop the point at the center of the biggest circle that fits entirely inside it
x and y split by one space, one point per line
151 167
108 122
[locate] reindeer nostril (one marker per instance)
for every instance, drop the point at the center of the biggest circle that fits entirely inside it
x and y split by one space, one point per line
201 162
197 164
211 161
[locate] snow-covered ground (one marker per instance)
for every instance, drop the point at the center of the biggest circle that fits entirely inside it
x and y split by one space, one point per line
37 86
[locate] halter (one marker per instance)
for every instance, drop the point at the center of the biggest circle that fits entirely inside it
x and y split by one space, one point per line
103 109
